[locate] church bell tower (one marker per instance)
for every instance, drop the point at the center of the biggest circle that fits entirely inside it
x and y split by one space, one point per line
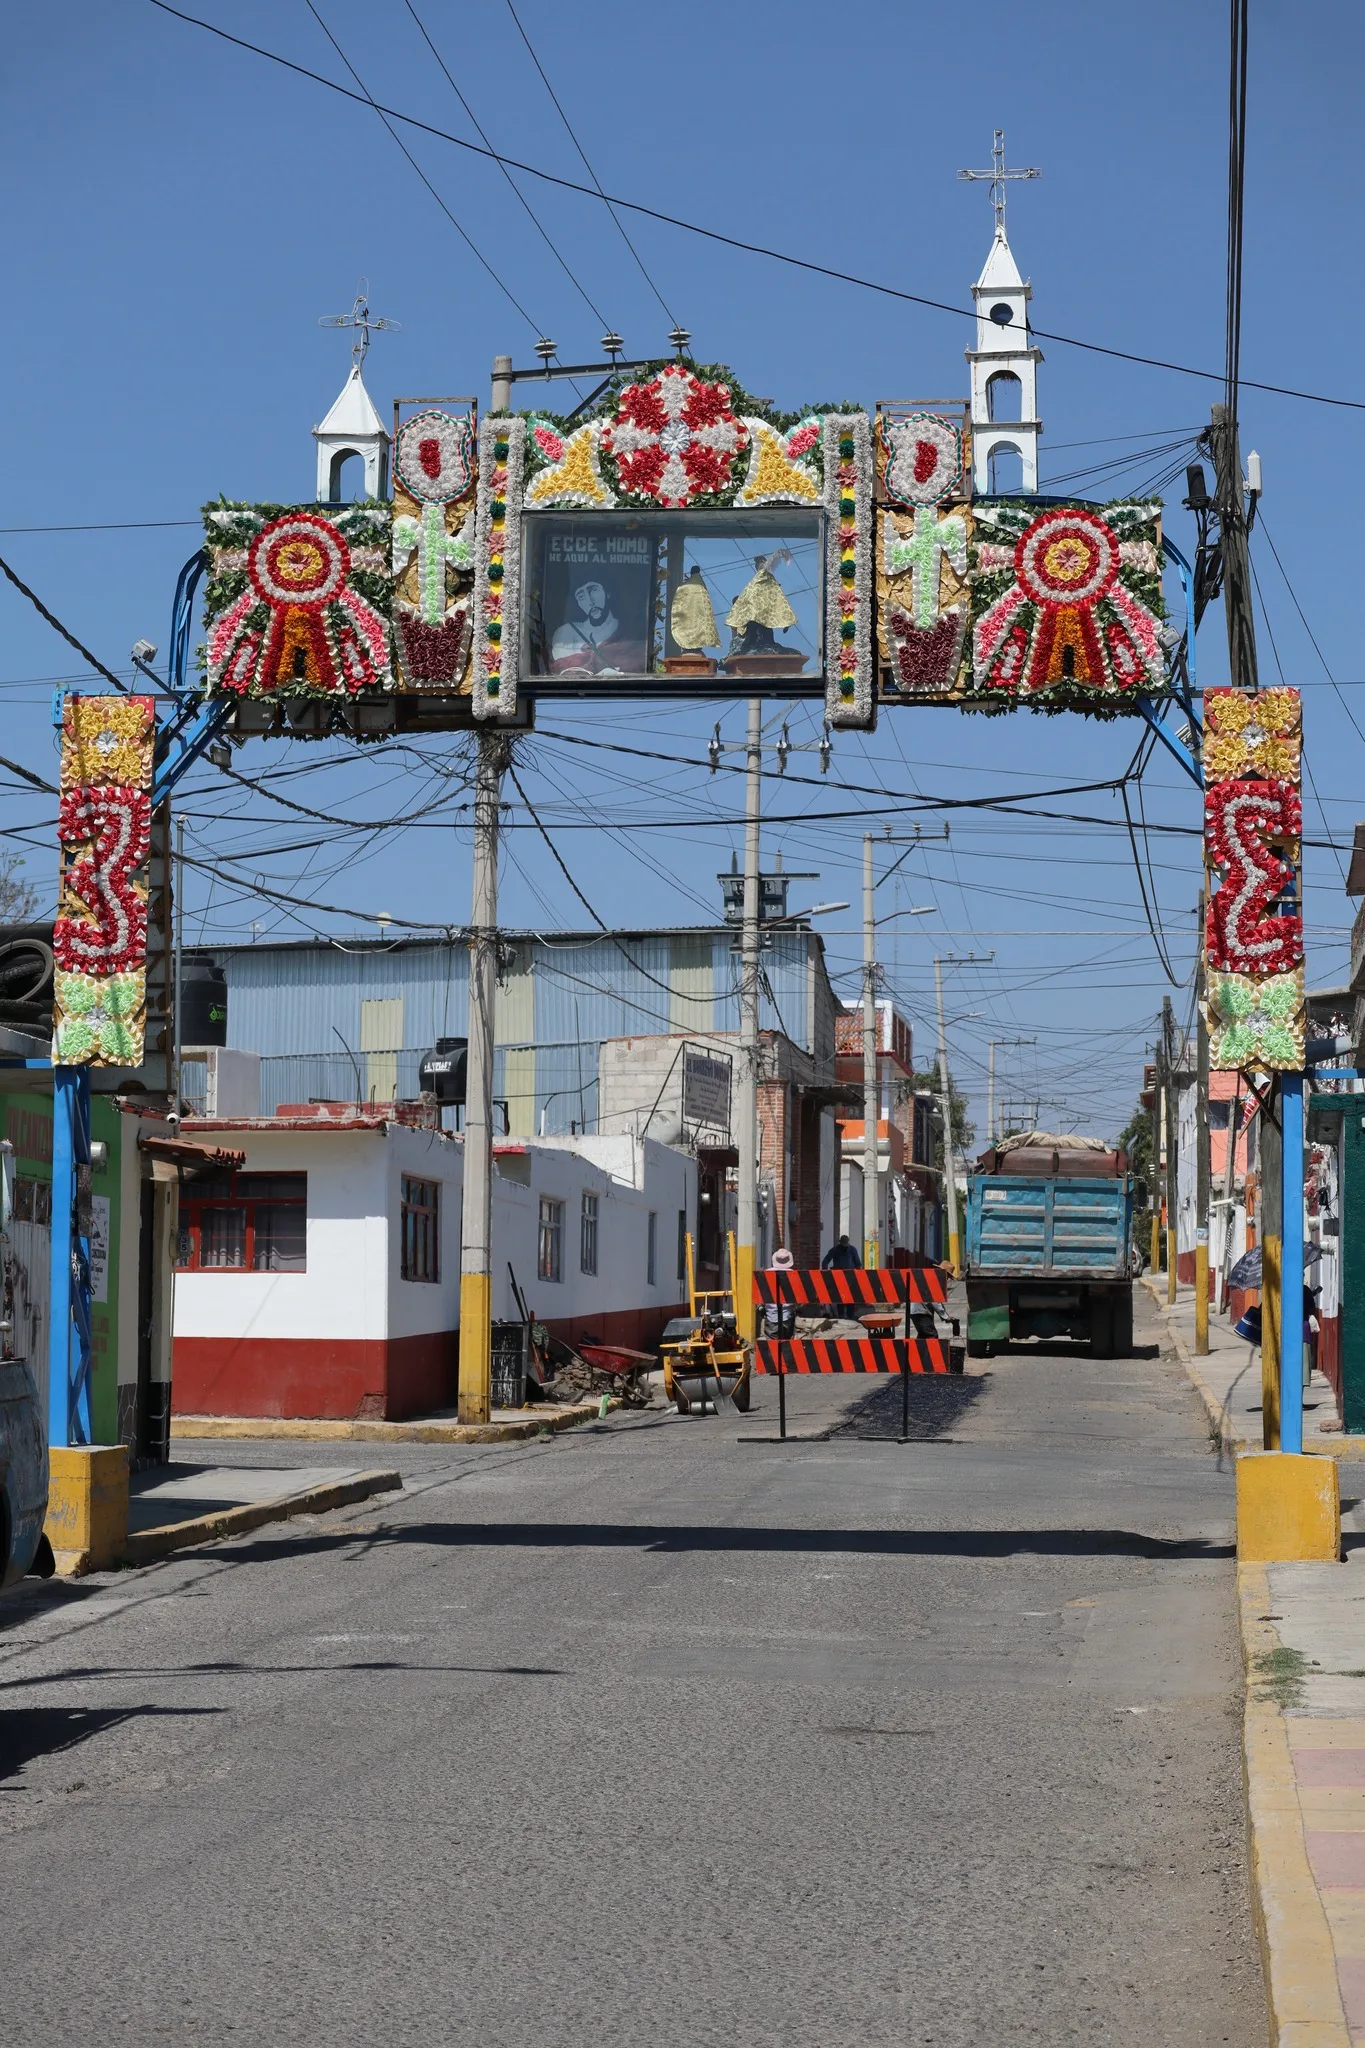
1004 363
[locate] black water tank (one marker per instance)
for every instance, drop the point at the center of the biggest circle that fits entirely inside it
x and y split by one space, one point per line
203 1003
442 1072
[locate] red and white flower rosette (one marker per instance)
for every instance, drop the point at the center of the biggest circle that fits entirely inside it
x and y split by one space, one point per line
299 560
675 439
1067 558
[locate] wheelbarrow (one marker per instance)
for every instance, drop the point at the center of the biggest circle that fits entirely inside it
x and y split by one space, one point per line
625 1368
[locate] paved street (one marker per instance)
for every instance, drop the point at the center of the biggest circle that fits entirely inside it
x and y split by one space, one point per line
648 1734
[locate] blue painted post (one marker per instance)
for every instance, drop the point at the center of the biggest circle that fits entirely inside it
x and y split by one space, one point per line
1291 1263
68 1343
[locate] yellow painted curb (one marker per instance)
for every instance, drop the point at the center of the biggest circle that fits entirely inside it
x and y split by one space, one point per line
1297 1955
147 1545
367 1431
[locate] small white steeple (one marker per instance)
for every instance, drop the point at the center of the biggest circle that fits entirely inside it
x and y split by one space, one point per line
1004 361
352 427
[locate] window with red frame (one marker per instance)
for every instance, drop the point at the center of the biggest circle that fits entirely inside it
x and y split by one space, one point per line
244 1223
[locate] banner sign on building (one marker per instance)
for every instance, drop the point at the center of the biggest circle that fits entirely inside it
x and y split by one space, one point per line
706 1089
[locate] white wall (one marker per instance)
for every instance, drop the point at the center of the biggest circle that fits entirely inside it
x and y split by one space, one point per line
352 1286
343 1293
629 1177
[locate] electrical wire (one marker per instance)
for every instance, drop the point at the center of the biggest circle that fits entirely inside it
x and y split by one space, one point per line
536 222
57 627
383 114
734 241
640 262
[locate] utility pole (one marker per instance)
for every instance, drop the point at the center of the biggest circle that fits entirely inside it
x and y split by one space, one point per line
1154 1190
990 1081
1201 1156
1172 1163
1234 556
746 1247
178 968
871 1105
946 1105
476 1220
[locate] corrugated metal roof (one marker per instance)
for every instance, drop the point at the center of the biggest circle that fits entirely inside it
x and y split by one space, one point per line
298 1004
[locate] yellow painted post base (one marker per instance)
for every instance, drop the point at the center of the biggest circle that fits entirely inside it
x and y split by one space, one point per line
744 1291
955 1254
475 1399
1288 1509
87 1507
1155 1260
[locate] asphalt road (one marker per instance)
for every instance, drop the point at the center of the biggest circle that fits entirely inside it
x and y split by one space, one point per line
649 1734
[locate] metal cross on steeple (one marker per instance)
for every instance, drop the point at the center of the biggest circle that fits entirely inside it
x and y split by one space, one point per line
997 176
364 322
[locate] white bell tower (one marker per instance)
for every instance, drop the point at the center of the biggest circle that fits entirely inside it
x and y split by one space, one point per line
1004 363
353 427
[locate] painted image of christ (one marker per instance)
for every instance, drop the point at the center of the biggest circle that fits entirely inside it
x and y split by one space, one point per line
590 644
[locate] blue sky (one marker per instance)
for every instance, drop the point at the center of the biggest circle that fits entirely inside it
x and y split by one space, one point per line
180 213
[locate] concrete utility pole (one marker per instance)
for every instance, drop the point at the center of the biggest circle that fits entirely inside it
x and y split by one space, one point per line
1236 560
746 1235
1172 1162
1201 1157
476 1221
871 1105
1154 1191
945 1098
990 1082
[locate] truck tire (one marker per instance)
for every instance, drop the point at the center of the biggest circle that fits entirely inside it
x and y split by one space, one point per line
1101 1326
1123 1324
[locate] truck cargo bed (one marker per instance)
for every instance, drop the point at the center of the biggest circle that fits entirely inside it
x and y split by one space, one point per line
1022 1227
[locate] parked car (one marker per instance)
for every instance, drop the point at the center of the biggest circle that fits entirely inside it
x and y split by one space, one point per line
23 1439
23 1476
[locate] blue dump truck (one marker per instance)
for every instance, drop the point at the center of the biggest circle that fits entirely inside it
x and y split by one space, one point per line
1049 1245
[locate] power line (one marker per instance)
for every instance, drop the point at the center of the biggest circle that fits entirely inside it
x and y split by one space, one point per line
383 113
586 165
58 627
534 217
733 241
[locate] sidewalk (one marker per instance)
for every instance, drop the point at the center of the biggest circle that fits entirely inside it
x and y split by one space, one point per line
512 1425
1229 1380
172 1507
1303 1639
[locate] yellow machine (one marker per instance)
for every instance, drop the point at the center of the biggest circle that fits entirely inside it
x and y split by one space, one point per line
704 1357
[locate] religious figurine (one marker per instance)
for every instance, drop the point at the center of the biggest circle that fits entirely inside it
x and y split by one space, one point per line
692 624
761 610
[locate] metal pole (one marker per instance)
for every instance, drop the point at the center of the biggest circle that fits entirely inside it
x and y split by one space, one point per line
178 914
872 1224
1291 1263
1201 1160
1172 1163
949 1166
476 1218
1271 1177
746 1251
68 1339
990 1096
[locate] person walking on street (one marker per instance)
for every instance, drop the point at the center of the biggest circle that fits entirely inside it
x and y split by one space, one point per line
841 1257
779 1317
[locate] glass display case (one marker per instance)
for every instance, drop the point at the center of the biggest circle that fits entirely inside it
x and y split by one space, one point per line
712 600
